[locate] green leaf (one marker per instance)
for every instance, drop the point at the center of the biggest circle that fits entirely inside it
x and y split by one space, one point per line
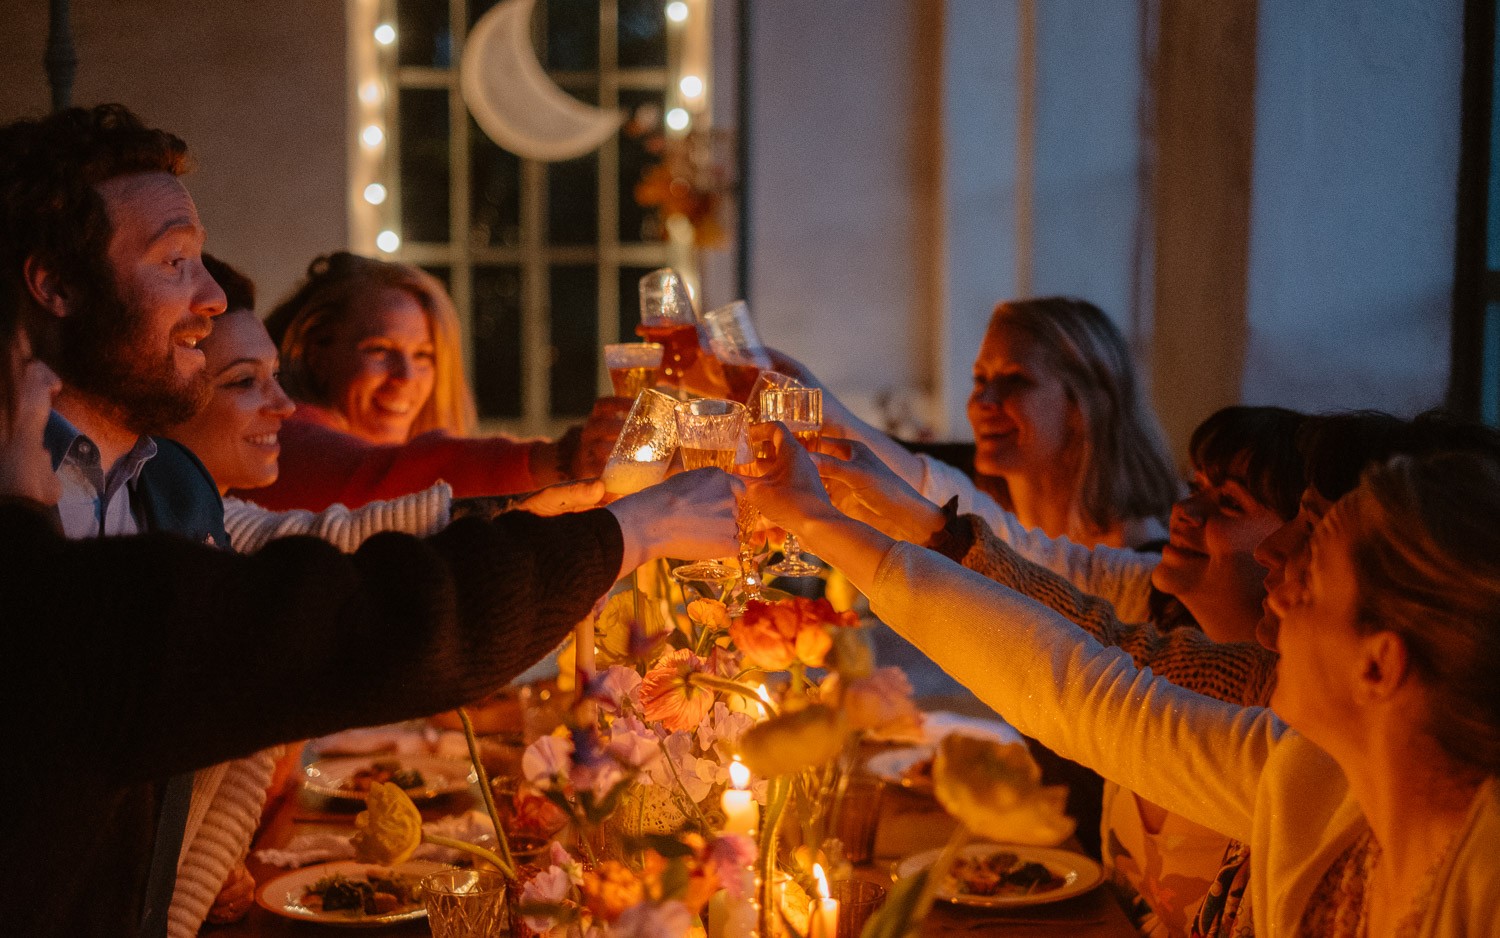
894 920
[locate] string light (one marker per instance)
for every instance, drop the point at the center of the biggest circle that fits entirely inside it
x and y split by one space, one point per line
385 34
677 11
375 193
691 86
678 118
388 241
369 92
372 135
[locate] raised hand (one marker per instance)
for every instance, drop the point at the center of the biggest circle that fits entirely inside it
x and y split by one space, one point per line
786 487
690 516
865 488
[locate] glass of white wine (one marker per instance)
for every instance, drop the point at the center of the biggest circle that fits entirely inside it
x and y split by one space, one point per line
633 366
645 447
800 410
710 432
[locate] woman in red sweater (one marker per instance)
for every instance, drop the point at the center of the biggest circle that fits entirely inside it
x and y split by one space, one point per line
370 353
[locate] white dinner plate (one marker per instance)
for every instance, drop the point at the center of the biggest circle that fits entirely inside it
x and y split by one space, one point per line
890 766
283 895
1078 873
440 777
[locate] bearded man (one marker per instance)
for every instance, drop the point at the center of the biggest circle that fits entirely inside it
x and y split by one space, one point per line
101 248
101 253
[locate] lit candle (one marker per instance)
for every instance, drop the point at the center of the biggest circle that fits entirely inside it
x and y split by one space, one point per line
825 911
740 812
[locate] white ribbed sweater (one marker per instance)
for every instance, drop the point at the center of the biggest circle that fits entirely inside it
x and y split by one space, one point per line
227 798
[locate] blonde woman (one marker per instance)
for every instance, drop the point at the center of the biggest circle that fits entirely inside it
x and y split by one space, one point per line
1064 439
370 353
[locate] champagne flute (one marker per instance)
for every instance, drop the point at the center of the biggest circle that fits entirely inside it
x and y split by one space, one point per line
645 447
633 366
800 410
668 318
710 432
734 342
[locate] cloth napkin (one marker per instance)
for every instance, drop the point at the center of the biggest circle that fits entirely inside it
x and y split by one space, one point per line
472 827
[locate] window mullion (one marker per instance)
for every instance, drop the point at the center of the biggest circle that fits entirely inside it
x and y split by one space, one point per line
608 187
461 271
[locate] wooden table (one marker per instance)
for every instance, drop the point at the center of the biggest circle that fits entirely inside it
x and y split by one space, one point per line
908 823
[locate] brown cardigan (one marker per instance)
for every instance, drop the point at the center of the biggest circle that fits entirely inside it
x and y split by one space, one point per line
127 660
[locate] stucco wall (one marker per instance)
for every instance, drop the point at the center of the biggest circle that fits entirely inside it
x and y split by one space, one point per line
255 87
1353 206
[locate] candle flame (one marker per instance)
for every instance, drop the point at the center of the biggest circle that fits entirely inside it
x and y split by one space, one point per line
822 880
739 776
760 691
645 454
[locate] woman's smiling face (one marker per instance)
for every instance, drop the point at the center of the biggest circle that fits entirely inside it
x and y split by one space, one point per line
236 435
1024 422
378 366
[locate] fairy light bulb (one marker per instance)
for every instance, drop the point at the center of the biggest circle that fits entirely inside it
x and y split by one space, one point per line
369 92
372 135
388 241
677 11
385 34
375 193
678 118
691 86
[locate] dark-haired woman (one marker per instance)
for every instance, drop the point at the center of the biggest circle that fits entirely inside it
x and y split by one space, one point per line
1247 476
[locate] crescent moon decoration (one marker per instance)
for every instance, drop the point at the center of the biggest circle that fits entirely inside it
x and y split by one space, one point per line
515 102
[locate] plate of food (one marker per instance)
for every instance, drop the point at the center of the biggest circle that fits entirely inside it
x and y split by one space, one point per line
1002 876
421 777
907 766
348 893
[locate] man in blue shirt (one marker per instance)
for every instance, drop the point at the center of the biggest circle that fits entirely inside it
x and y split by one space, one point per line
101 250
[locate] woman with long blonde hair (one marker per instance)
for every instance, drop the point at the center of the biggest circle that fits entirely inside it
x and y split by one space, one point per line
370 352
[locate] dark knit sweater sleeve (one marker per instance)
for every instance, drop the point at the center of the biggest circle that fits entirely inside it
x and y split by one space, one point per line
153 655
1237 672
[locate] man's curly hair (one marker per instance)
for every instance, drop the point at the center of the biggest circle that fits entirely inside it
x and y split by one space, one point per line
49 208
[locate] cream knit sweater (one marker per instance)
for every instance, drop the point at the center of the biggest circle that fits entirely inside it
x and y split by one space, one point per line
1121 576
1237 770
227 798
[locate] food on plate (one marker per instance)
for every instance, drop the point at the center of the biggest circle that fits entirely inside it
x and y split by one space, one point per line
384 770
1000 874
378 891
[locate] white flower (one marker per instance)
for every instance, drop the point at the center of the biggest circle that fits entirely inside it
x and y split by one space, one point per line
696 775
631 742
549 887
721 732
617 685
547 760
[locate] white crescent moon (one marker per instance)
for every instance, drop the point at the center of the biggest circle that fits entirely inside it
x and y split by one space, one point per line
514 101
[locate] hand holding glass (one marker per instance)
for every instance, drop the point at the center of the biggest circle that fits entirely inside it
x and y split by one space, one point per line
710 432
800 410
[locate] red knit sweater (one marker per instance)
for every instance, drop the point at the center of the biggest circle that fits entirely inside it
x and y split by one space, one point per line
322 466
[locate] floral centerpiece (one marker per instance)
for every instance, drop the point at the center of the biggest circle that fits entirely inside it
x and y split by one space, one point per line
660 839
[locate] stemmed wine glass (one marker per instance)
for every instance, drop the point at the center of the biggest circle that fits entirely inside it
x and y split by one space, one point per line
668 317
801 411
710 432
734 342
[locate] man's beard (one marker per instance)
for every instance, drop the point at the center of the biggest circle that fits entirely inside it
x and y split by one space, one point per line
107 353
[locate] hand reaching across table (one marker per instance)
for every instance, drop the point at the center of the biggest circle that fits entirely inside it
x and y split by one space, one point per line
690 516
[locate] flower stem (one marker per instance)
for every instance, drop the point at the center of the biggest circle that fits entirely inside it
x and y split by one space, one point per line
730 687
489 856
770 831
489 796
681 788
939 872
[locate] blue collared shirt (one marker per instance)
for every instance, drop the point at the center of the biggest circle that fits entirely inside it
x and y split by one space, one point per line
94 503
